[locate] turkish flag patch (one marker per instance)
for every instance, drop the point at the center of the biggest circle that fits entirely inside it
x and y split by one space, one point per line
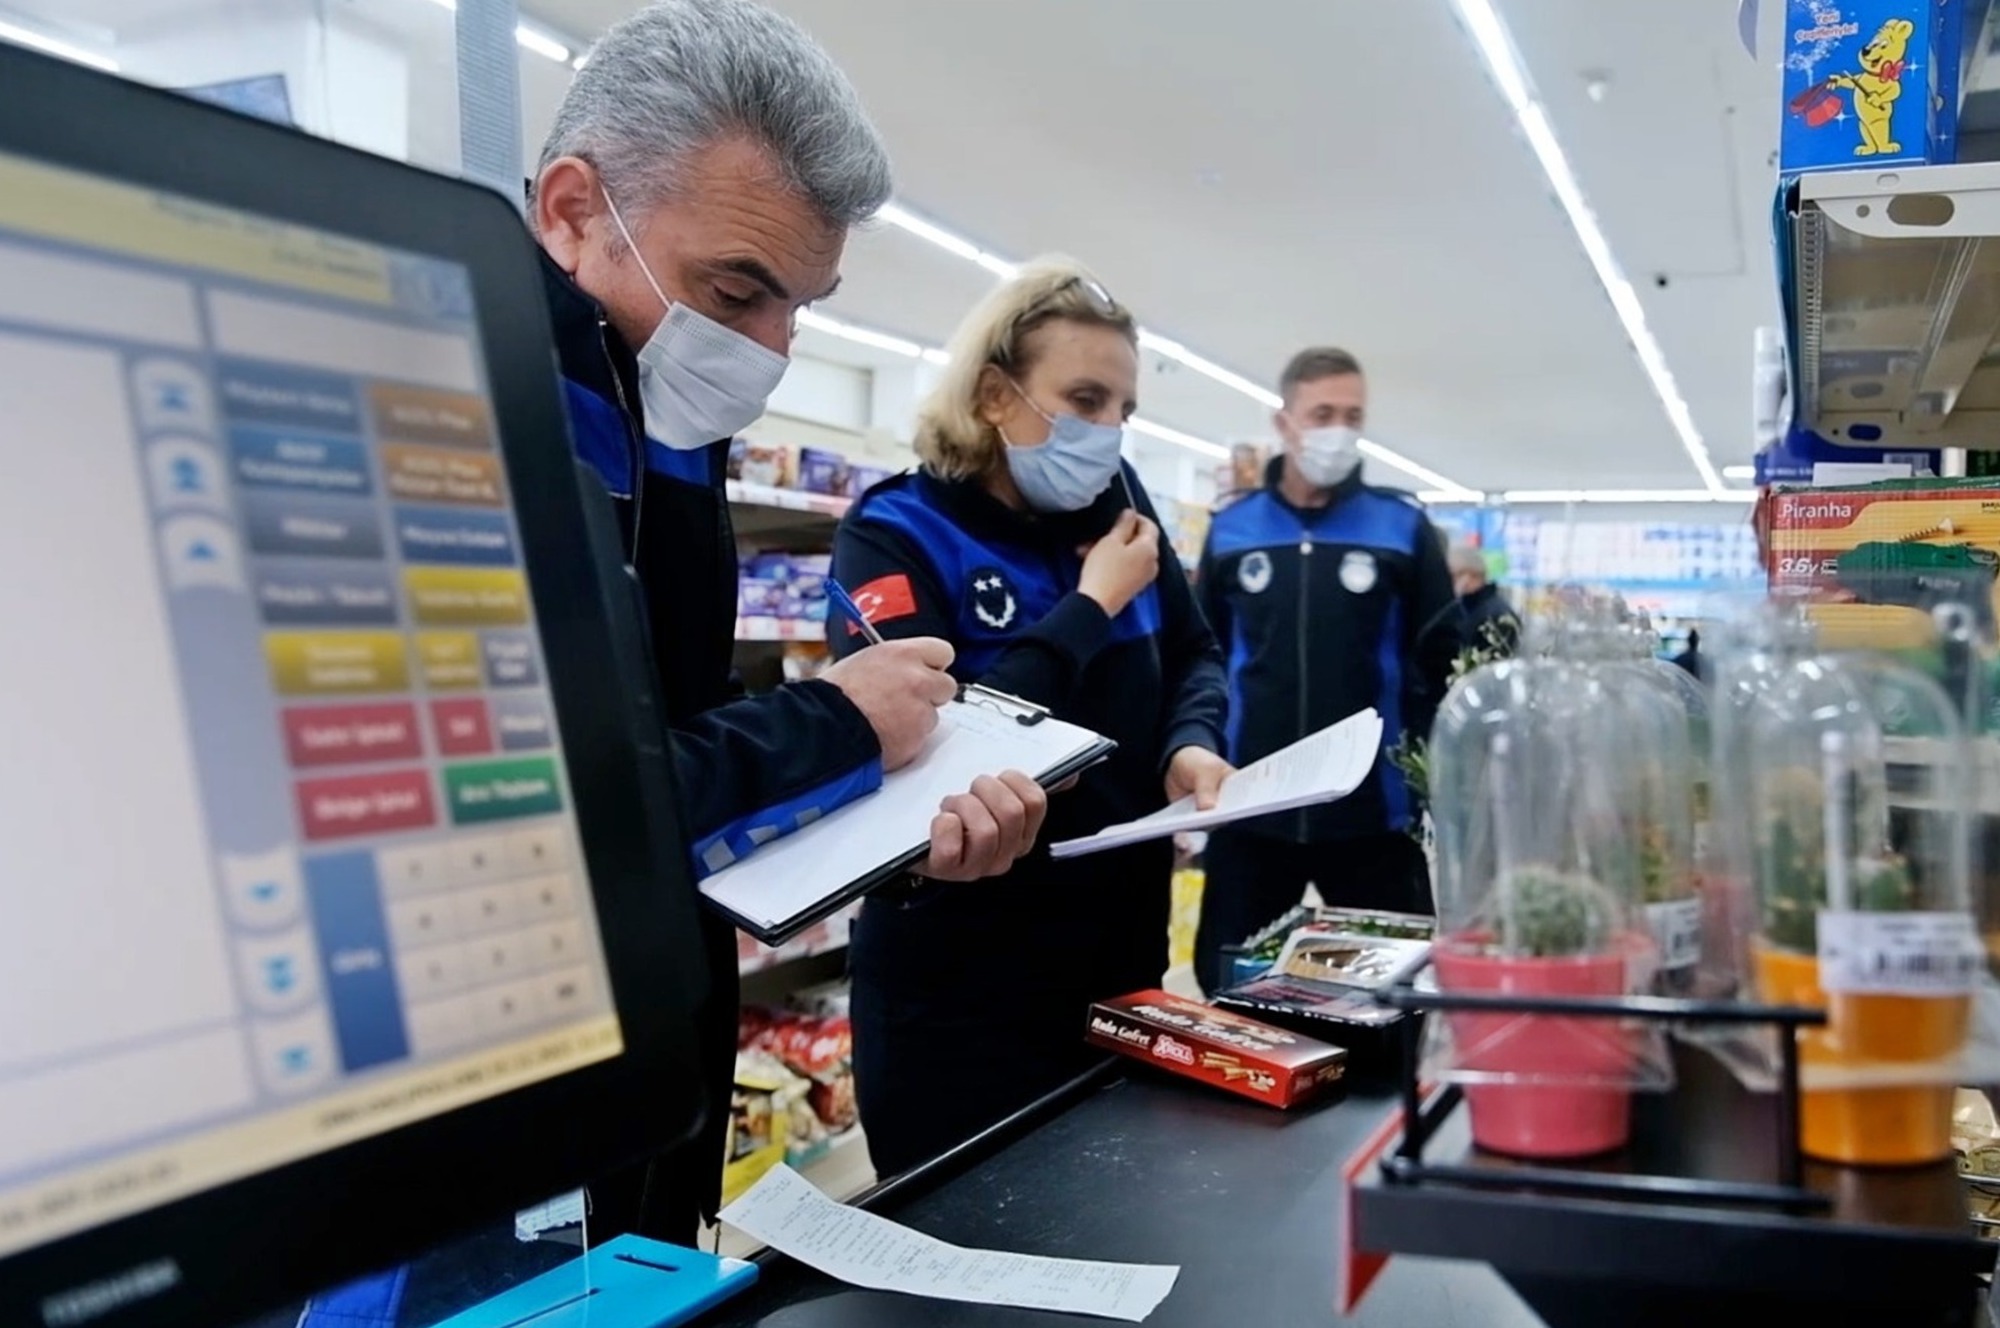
884 598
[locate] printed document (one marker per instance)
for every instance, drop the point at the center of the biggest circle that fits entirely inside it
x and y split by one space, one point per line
1324 767
785 1212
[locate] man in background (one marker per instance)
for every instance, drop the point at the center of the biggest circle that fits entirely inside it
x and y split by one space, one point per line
1330 596
1486 621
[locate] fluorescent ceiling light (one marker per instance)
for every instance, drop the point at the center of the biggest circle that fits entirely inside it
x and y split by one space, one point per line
1193 444
903 219
1503 64
62 50
1180 354
1739 472
1438 483
1430 496
895 214
863 336
1630 496
541 44
528 38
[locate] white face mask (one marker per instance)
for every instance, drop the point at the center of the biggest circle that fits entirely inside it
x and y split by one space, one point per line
1328 456
699 381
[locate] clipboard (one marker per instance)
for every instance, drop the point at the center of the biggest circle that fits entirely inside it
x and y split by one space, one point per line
807 876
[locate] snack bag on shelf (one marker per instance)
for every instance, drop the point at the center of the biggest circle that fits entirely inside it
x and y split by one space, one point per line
824 471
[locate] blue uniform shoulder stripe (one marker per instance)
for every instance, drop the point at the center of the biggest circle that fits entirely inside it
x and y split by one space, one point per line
1256 522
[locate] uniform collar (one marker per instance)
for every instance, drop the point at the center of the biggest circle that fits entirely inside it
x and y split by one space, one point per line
1274 474
591 352
979 513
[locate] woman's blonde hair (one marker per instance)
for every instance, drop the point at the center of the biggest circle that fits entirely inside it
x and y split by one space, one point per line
953 441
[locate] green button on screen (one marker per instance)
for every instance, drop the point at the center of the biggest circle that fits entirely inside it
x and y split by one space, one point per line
501 790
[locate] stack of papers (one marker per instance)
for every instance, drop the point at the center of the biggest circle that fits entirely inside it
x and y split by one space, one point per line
1324 767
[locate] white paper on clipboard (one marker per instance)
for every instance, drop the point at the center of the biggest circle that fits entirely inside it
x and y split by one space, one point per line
1321 767
796 876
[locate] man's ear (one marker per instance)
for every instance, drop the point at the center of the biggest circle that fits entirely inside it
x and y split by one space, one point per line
569 205
1283 426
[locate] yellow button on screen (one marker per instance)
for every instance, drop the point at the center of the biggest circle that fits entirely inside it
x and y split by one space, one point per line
467 597
450 660
336 663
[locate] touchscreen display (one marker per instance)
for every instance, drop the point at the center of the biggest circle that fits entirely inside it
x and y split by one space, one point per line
288 853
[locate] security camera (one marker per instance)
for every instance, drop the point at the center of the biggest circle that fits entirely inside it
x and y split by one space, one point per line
1660 280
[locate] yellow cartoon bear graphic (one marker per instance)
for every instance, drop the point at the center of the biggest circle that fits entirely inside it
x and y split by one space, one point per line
1878 85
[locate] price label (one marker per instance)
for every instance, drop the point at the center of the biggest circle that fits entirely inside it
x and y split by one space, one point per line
1676 928
1898 954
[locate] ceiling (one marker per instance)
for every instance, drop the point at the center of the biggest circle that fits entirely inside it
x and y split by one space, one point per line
1256 175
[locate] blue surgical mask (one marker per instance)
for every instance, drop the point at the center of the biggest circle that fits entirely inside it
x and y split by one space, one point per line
1075 465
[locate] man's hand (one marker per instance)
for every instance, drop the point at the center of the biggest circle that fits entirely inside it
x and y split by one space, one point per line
982 832
899 686
1199 771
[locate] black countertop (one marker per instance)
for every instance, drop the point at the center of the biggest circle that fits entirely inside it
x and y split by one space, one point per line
1142 1169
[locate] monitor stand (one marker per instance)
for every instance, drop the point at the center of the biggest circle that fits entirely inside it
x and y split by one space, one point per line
627 1282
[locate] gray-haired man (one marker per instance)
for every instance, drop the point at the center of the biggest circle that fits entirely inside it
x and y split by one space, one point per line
694 195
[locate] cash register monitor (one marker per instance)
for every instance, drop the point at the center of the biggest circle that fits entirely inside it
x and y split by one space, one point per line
341 909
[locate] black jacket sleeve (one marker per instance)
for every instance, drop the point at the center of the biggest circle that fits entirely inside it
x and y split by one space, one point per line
1043 662
1196 682
762 760
1432 631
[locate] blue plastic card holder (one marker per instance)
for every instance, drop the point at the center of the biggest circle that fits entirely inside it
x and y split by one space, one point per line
628 1282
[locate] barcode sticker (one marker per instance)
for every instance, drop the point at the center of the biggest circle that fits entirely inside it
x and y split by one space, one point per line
1676 928
1901 954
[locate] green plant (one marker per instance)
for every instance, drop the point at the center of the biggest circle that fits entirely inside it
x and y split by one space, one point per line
1544 913
1792 868
1411 754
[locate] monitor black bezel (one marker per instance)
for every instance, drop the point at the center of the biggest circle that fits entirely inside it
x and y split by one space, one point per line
257 1242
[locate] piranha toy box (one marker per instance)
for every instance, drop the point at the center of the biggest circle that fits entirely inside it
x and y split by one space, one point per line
1873 562
1870 82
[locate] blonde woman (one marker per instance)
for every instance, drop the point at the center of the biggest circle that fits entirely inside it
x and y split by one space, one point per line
1025 542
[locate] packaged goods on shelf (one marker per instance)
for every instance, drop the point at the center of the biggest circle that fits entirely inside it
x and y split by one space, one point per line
1322 952
1869 83
1873 561
775 464
784 586
805 660
817 1048
824 1000
861 478
1229 1051
822 470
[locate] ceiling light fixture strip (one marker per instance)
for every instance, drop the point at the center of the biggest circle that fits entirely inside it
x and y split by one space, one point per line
901 217
1503 63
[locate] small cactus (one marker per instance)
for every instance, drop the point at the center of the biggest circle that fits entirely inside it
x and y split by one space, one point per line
1546 914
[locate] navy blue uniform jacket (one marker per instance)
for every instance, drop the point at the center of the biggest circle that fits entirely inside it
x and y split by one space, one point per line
936 558
1326 612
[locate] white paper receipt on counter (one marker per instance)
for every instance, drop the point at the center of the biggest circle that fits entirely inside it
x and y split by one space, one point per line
785 1212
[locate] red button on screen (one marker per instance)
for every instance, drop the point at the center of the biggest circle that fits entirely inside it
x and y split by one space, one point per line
351 735
462 727
366 804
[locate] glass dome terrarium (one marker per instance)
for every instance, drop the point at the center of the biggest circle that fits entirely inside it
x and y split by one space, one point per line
1539 819
1859 912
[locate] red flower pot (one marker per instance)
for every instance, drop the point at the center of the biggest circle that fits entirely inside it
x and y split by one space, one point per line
1572 1098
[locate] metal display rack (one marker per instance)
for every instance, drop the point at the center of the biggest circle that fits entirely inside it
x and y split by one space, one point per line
1710 1207
1893 300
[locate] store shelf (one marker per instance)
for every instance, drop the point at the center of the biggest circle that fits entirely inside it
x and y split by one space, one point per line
779 629
820 938
1893 301
784 516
